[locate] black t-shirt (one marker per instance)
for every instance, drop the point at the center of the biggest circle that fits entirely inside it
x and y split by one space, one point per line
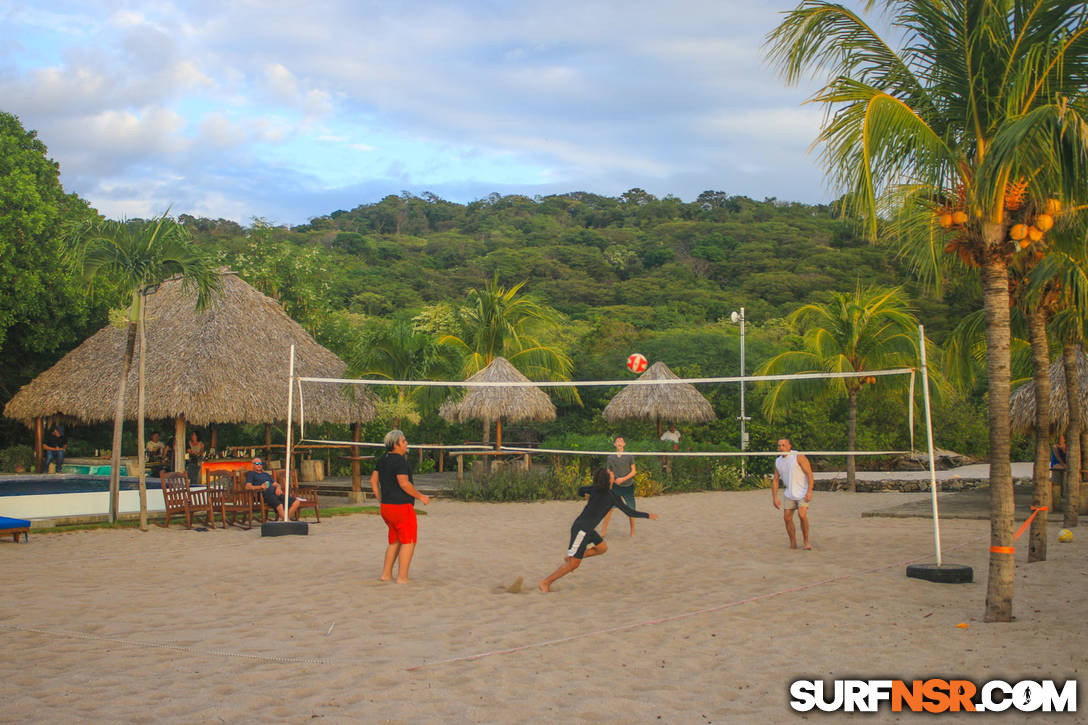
54 440
259 478
600 503
389 467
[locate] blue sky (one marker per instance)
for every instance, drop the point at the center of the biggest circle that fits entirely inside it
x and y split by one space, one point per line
287 111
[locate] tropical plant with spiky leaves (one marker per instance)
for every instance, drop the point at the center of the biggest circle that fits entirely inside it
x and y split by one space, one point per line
502 322
866 330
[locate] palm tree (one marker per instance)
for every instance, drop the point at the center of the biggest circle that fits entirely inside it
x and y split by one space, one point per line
868 329
398 350
136 256
1063 278
986 98
499 322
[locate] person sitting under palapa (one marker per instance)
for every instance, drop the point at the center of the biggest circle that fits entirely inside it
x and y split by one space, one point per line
260 480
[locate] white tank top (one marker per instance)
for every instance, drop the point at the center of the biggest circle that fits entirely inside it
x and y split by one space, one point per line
794 480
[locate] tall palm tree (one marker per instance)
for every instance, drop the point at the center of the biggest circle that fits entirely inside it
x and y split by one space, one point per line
398 350
984 95
1063 277
500 322
868 329
136 256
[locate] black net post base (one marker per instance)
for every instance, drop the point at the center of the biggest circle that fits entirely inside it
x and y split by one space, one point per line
943 574
285 528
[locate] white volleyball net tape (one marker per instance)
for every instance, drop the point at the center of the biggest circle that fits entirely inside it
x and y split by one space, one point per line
303 382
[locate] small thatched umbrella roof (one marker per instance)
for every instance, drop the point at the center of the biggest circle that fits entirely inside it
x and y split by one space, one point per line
497 403
1022 401
676 401
227 364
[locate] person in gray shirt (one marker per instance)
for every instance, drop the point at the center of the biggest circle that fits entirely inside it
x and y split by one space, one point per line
622 466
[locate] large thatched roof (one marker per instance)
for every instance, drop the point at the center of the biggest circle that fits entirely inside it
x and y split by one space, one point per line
498 403
675 401
227 364
1022 401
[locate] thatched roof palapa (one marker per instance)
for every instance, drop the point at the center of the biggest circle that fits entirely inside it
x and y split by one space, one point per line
227 364
498 403
675 401
1022 401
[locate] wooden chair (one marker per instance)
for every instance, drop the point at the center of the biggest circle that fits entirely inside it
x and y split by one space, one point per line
179 499
307 495
226 498
255 499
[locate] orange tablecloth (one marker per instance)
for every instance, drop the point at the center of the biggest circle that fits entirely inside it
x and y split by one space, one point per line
229 464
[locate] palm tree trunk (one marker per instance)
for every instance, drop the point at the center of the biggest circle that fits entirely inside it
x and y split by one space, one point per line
119 422
1071 488
995 284
851 438
140 414
1040 359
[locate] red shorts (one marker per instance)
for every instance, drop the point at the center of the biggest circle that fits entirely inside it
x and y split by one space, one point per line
401 519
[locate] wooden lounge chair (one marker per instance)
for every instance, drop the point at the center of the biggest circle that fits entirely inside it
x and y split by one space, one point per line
180 499
228 500
307 495
256 500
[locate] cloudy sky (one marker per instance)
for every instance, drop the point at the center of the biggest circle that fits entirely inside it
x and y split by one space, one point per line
286 111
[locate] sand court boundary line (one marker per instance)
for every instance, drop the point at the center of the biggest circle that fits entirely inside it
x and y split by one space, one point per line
664 620
173 647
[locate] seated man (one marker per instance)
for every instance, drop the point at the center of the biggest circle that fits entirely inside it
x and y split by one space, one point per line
260 480
156 452
54 445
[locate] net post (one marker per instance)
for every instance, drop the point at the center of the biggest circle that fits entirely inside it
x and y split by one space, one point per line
287 448
929 443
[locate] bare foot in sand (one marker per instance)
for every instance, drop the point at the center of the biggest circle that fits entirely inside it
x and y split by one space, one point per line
385 579
402 581
544 587
808 547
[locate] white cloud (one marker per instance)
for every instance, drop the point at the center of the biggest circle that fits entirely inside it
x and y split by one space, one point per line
597 95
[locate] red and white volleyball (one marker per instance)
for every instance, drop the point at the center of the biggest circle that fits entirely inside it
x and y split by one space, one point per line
636 362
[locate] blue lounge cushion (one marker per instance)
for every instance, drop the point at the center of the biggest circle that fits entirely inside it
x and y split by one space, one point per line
15 527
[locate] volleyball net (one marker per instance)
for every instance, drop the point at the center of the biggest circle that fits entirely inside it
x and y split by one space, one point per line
305 383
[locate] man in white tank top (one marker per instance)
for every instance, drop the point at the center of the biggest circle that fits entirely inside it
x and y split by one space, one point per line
795 473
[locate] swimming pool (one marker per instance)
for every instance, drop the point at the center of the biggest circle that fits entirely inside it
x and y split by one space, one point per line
46 496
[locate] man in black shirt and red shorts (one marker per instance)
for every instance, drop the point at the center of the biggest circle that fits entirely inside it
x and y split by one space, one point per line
392 485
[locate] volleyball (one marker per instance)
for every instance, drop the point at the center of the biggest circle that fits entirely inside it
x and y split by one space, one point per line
1065 536
636 362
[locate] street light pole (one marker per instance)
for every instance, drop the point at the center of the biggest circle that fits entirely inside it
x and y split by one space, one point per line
739 317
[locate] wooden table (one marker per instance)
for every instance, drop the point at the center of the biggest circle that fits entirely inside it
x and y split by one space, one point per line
526 457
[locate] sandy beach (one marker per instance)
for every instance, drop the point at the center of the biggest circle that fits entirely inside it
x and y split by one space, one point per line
705 617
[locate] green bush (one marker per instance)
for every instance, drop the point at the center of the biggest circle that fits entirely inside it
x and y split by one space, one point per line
727 477
17 455
513 484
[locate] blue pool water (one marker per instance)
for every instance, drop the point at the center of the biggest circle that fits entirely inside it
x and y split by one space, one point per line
34 485
64 496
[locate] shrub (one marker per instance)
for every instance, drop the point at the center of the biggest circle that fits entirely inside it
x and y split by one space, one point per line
514 484
646 485
727 477
17 455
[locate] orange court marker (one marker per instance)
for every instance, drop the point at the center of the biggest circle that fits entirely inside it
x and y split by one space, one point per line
1002 549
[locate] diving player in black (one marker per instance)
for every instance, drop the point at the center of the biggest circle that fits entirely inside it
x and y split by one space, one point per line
584 541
